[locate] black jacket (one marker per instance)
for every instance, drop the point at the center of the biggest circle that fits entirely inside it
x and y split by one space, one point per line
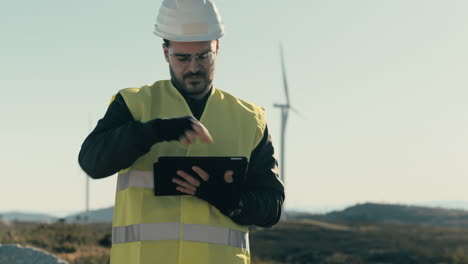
119 140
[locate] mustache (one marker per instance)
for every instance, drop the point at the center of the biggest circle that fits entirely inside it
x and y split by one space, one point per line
194 74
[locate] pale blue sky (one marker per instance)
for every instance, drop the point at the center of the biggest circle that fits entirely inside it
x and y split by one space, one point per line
383 86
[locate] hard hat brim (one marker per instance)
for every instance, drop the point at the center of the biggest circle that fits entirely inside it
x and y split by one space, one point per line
189 37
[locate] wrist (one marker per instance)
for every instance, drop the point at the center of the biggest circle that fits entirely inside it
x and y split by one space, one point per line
224 196
152 130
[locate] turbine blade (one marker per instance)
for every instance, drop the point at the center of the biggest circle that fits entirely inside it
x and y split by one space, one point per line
283 69
297 113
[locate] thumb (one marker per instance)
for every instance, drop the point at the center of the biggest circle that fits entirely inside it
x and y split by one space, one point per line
228 176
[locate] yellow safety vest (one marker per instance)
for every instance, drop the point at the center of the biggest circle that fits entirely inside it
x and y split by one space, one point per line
149 229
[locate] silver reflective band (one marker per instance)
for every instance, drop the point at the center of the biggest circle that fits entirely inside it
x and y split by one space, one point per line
143 232
135 178
171 231
216 235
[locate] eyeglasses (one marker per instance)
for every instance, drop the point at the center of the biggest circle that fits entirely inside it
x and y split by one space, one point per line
205 58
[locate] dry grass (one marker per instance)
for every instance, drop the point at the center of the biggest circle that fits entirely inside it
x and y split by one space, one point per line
87 254
76 243
307 241
259 261
322 224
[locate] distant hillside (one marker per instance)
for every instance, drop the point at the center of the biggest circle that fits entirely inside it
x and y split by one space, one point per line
100 215
327 208
312 241
461 205
26 217
389 213
360 213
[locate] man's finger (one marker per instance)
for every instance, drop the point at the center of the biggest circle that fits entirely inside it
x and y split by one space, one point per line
202 132
188 178
184 190
190 135
228 176
183 141
203 174
184 184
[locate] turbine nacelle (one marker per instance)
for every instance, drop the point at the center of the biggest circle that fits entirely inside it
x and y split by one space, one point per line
282 105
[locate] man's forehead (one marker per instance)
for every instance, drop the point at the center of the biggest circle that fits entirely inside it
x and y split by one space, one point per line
191 47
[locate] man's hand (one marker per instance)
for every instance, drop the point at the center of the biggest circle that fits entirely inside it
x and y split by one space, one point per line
190 185
224 196
197 130
184 129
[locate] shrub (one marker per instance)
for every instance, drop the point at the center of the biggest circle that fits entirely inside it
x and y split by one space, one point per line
106 240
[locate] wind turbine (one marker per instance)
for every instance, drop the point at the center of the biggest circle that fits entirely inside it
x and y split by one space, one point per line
284 114
284 118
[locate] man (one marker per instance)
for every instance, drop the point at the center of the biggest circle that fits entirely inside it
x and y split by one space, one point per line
184 116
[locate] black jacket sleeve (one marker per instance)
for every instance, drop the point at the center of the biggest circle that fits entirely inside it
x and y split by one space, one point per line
116 142
263 195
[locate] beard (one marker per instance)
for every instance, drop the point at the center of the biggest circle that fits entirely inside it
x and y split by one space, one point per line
191 87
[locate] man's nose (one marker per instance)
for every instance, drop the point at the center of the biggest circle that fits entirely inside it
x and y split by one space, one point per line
194 65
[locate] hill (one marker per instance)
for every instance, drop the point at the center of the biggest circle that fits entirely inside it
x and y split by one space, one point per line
27 217
95 216
312 241
390 213
360 213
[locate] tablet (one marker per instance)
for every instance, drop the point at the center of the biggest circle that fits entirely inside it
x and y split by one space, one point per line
164 170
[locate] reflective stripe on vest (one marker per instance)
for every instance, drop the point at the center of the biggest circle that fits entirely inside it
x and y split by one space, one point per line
135 178
143 232
171 231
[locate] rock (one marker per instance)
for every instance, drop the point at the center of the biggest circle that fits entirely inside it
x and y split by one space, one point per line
17 254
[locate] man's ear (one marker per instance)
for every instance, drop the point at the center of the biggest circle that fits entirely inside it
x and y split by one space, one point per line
166 52
217 46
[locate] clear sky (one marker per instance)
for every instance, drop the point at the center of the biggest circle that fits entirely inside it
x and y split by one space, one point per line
382 86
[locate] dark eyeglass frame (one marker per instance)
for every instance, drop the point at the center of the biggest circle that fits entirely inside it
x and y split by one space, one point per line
204 58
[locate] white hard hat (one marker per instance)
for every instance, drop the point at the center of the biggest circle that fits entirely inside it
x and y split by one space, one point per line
189 20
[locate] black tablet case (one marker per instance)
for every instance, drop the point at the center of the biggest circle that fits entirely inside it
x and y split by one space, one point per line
164 170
